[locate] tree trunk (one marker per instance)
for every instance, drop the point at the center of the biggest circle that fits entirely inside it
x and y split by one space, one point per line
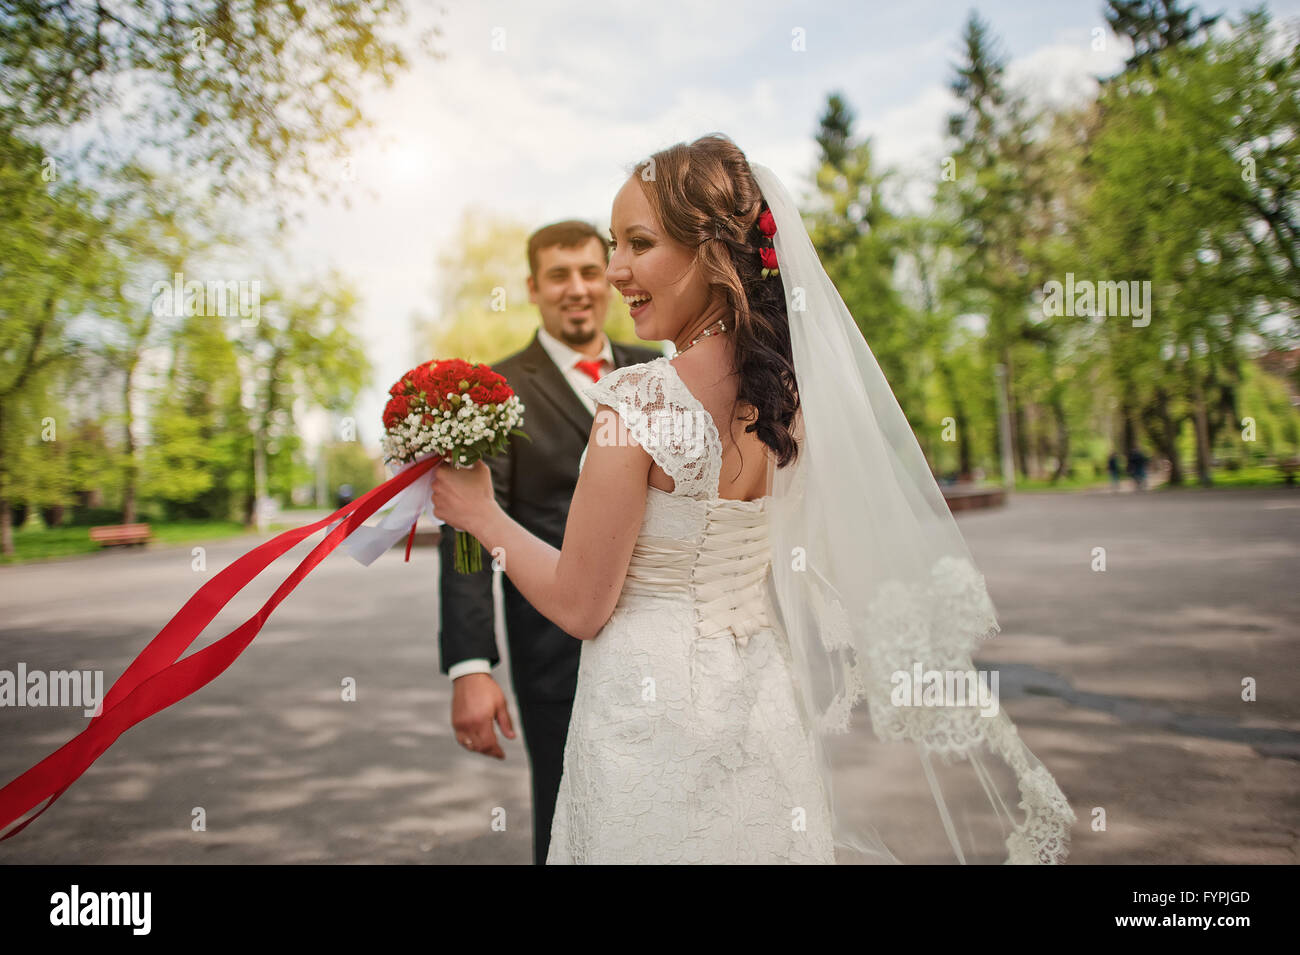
128 489
250 498
1199 418
1128 432
1042 445
959 416
1017 417
1062 439
6 526
1169 446
265 410
1034 424
1018 437
6 516
259 479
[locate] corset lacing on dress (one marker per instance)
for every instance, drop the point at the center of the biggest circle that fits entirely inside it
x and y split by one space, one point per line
726 571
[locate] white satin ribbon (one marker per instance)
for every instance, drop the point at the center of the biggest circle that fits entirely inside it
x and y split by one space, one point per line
366 543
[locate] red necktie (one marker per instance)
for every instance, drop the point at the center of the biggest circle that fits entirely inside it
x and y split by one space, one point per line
590 366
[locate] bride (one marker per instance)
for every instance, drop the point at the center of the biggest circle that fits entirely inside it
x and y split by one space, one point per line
755 548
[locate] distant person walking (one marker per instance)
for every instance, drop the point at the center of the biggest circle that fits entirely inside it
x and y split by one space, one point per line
1137 468
1112 465
345 495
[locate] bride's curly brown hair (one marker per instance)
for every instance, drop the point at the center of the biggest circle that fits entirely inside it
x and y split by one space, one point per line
705 196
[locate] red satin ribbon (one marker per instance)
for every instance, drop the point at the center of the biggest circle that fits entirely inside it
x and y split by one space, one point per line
157 678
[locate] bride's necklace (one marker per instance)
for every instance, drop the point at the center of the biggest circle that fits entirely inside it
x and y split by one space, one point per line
714 329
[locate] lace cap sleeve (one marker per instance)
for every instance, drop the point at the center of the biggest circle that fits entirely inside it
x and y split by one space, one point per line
664 418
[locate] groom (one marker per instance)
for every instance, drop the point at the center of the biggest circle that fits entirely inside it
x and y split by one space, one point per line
534 483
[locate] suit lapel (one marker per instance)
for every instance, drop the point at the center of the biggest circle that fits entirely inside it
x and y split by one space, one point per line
550 382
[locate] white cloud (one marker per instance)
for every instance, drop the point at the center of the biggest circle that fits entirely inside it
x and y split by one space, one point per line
1064 74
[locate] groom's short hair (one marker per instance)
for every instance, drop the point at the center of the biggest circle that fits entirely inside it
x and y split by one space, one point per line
568 235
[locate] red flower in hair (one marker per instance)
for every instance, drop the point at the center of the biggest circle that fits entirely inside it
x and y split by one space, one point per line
766 224
769 258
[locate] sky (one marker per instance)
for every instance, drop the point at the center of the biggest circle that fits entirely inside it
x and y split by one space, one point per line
537 111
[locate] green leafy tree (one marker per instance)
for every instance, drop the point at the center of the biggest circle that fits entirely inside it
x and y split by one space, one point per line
53 267
195 464
856 235
1189 210
1153 26
835 131
304 344
346 462
260 92
1001 199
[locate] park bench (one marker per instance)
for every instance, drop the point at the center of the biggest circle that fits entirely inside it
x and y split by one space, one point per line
110 535
1288 469
965 497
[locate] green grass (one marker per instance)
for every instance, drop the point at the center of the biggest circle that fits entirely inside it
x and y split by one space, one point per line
1065 484
1265 475
38 543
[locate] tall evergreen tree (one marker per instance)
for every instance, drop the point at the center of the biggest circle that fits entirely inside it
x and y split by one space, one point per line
835 130
1153 26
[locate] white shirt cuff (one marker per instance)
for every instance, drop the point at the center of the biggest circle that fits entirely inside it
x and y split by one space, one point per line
474 665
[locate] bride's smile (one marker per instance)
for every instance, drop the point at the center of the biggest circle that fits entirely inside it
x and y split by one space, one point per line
657 276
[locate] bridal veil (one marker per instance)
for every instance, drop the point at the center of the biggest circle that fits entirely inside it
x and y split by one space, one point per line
885 609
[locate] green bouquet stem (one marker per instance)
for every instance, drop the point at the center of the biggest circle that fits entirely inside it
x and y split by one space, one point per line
469 553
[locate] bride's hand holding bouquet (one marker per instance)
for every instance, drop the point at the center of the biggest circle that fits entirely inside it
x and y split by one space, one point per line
461 413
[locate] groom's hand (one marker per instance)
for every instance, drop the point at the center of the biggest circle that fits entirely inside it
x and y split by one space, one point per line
476 701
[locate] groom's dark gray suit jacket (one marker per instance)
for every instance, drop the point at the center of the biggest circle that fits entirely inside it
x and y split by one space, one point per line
534 484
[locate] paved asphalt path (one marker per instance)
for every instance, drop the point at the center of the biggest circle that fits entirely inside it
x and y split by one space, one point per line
1126 683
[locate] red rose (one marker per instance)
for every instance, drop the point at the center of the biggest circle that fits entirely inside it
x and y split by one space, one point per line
437 379
424 379
396 410
769 258
767 225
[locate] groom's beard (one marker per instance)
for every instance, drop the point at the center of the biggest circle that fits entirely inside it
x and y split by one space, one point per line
578 336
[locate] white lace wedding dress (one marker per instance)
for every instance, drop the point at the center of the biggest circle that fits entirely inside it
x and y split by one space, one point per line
686 743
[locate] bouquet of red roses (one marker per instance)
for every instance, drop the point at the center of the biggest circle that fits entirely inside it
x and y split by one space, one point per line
458 411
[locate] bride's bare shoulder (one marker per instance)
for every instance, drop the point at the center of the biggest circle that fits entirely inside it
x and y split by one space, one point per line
702 373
